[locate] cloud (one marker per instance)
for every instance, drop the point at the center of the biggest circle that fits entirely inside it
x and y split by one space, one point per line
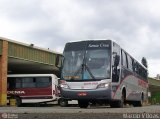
50 24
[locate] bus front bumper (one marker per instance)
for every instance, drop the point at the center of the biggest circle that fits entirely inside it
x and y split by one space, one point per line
86 94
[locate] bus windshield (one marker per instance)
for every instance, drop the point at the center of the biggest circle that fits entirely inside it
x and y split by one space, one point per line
73 61
86 64
98 61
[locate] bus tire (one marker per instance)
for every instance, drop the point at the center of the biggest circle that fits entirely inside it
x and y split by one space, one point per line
138 103
83 104
119 103
63 102
141 101
18 101
122 101
113 104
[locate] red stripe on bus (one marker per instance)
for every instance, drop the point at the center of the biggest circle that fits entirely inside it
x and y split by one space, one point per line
139 80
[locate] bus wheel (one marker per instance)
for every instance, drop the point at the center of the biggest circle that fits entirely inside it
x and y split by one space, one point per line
63 102
83 104
138 103
141 101
120 103
18 101
113 104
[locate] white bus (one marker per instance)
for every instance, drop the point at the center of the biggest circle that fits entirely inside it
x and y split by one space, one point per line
32 88
100 71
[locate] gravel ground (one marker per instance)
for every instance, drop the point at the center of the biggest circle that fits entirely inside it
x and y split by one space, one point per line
101 112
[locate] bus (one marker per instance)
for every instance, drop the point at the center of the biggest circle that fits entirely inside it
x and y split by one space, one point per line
100 71
32 88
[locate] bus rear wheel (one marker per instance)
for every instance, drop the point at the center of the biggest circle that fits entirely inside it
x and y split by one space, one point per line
138 103
83 104
18 101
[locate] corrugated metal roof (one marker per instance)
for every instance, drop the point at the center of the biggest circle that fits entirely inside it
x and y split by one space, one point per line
154 82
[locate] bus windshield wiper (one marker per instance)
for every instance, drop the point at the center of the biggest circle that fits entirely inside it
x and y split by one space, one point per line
89 71
75 74
83 66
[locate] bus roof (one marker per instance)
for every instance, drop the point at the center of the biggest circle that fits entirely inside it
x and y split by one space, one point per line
89 41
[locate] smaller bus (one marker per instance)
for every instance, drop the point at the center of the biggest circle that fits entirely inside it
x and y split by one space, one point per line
32 88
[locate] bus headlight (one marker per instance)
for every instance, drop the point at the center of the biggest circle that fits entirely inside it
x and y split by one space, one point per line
64 85
103 85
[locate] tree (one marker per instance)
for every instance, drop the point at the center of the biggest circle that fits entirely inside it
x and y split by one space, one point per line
144 62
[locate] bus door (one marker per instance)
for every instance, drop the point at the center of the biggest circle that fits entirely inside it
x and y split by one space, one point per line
116 59
116 71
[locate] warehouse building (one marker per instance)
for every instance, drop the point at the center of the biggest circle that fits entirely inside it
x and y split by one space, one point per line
21 58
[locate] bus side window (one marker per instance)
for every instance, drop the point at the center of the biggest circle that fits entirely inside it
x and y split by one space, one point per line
28 82
130 60
18 82
124 59
42 82
145 74
133 65
11 83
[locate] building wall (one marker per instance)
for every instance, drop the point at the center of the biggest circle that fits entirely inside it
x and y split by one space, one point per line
3 73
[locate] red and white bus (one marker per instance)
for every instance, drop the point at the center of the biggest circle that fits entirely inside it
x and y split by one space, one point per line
100 71
32 88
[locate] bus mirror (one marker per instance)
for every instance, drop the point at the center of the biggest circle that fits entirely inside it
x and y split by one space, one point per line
116 61
58 61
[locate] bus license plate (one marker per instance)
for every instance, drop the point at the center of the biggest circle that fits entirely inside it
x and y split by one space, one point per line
82 94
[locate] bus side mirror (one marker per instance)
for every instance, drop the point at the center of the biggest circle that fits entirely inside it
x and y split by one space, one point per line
58 60
116 61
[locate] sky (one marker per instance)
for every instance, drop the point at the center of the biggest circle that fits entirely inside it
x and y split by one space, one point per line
133 24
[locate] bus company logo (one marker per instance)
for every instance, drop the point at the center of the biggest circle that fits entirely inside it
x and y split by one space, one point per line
4 116
91 83
102 45
15 92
